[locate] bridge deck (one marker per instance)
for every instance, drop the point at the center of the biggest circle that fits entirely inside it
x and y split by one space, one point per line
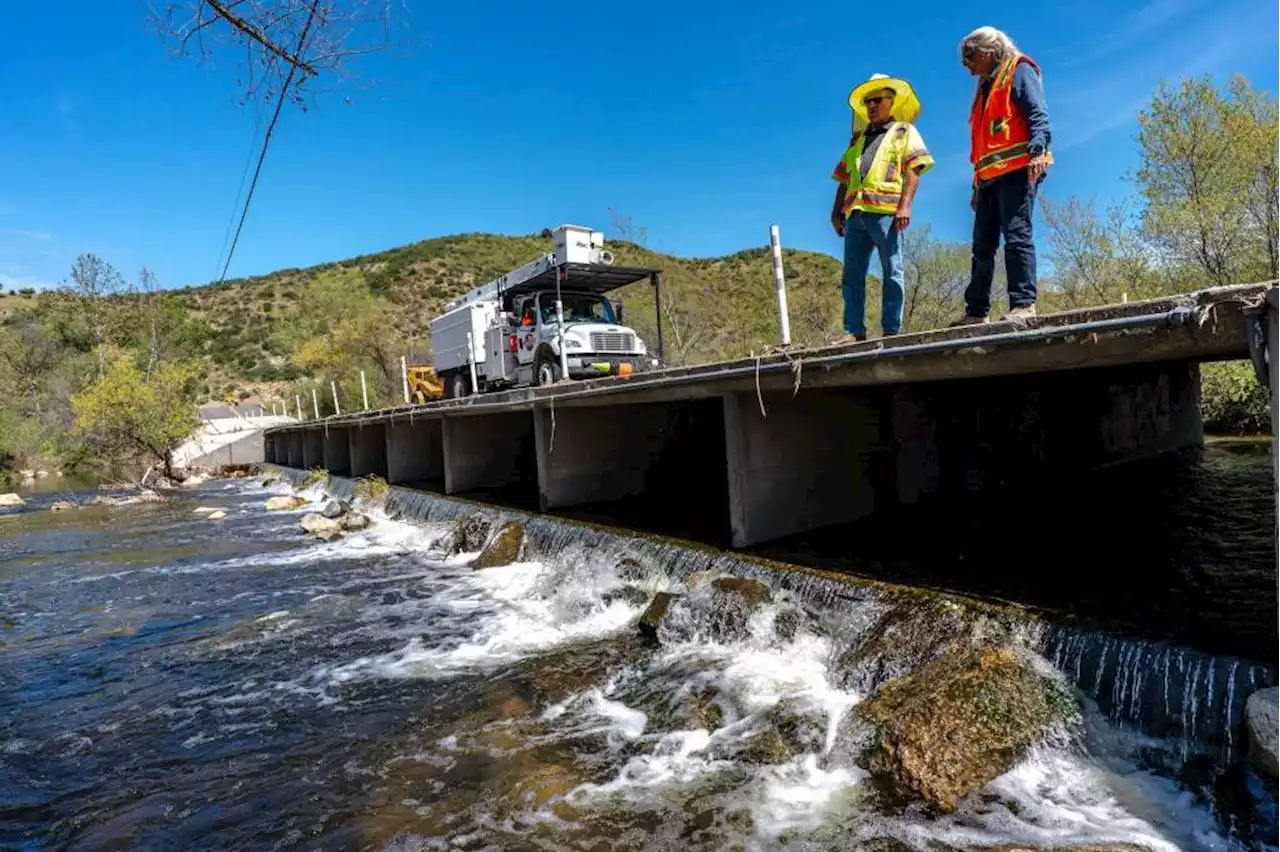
1204 326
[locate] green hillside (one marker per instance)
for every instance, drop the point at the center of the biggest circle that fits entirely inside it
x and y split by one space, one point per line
713 308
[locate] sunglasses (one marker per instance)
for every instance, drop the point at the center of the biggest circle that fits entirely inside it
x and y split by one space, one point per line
875 99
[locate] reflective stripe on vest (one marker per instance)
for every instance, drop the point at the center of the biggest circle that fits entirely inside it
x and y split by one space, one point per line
881 190
999 133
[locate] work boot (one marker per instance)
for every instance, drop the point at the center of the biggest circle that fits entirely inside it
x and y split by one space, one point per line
845 340
1025 312
968 320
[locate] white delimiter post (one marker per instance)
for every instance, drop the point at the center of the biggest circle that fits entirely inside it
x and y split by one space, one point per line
297 399
315 403
784 320
364 391
471 362
404 379
333 386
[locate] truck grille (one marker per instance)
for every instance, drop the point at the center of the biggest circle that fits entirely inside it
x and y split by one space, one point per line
612 341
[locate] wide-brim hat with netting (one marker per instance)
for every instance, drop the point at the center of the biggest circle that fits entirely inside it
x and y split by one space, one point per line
906 106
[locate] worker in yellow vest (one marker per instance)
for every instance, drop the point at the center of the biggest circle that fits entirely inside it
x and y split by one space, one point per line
1009 149
876 184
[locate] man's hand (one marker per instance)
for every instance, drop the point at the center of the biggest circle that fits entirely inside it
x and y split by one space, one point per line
902 219
837 222
1037 167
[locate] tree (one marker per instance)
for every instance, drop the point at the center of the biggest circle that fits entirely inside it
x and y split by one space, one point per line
936 275
1254 123
129 416
1098 260
94 281
1193 177
28 356
285 46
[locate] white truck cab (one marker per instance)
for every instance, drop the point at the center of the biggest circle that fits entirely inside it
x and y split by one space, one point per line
545 321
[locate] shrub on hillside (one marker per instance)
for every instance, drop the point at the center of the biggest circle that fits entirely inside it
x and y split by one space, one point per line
1232 400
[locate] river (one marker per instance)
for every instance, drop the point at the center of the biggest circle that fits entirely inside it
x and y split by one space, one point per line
172 682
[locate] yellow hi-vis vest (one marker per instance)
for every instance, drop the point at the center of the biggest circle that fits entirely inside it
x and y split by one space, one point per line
881 190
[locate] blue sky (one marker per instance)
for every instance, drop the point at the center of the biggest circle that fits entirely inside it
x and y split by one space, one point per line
702 122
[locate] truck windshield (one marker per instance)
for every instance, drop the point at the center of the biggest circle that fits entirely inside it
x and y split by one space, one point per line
578 308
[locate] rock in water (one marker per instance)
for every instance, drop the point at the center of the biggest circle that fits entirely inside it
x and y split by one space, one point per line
652 618
955 725
148 496
11 500
1262 715
471 533
504 549
317 524
217 515
104 500
62 506
334 509
354 521
753 592
285 502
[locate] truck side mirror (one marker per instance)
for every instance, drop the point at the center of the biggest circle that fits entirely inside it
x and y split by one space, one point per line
617 311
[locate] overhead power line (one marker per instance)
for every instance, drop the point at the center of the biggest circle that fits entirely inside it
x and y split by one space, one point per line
266 140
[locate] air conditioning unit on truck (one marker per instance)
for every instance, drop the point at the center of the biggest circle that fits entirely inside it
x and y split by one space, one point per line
544 321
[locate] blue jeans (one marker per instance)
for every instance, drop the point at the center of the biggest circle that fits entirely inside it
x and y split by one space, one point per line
862 233
1005 206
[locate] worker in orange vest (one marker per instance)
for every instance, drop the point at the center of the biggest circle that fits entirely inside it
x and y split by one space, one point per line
1009 135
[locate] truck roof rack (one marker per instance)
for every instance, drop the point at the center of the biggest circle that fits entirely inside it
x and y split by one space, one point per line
583 278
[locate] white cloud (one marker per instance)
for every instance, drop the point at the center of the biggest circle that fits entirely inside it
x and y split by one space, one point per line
38 236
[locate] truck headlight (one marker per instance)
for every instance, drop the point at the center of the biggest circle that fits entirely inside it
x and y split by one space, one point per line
572 343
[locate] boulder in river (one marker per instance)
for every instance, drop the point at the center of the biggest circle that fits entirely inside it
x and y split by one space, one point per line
334 509
471 533
1262 716
146 495
651 620
504 549
283 502
62 506
753 592
318 525
961 721
104 500
11 499
353 521
217 515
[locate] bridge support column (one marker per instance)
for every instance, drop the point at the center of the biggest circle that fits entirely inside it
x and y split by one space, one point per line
596 454
295 449
269 449
337 451
312 448
484 450
368 443
808 462
415 451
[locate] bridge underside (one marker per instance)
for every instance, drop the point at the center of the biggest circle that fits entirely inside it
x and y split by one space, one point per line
747 467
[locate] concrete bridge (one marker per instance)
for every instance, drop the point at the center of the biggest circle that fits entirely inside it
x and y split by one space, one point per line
784 443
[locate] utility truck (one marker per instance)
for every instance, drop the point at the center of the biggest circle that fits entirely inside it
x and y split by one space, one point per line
547 320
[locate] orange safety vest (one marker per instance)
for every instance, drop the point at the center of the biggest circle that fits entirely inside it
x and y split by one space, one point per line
998 130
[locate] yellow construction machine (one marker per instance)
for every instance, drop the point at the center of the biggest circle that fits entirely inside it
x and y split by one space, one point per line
424 385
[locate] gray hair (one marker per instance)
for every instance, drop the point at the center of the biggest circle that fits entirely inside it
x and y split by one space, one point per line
992 39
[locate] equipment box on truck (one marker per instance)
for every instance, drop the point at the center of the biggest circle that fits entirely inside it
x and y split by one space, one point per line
544 321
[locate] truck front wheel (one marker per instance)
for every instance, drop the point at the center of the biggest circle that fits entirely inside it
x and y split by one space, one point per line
547 372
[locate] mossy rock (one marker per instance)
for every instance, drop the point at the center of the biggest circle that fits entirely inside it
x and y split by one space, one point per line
630 595
504 549
768 746
961 721
753 592
651 620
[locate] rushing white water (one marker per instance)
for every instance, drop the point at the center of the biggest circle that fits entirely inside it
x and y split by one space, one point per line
1091 790
514 707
